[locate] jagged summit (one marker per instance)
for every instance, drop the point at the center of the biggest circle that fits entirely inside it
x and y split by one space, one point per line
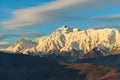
67 29
65 26
23 39
64 29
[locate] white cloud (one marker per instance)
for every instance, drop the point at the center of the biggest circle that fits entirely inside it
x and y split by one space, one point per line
53 11
108 18
6 36
4 44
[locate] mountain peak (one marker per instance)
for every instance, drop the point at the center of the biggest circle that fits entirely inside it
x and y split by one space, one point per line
23 39
67 29
22 44
65 26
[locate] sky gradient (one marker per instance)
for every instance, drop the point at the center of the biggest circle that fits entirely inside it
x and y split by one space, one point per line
34 18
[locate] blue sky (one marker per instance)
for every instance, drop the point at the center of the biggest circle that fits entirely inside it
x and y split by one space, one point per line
38 17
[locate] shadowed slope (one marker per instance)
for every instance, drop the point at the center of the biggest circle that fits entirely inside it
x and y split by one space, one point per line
26 67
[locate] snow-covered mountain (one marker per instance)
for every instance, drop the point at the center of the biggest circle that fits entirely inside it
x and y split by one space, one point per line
21 45
67 39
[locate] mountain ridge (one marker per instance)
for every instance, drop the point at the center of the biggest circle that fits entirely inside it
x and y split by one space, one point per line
67 38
